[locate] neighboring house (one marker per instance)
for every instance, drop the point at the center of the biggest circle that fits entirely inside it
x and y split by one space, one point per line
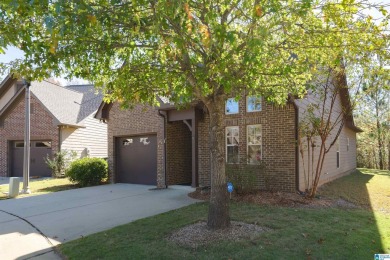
165 146
62 118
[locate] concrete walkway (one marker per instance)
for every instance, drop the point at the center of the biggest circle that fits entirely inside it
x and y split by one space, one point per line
30 227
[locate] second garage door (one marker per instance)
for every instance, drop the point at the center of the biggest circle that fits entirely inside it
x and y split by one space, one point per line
136 160
39 150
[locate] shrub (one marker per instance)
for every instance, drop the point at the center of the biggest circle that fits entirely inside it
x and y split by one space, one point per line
88 171
245 177
60 162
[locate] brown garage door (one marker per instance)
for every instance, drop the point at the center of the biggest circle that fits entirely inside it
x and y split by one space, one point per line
39 151
136 160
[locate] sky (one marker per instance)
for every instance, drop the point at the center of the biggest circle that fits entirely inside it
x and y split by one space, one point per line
12 53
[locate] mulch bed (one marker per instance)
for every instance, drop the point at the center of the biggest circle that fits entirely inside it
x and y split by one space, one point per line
284 199
198 234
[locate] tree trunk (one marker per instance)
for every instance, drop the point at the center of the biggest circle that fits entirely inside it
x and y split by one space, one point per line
320 163
380 145
218 217
388 155
379 132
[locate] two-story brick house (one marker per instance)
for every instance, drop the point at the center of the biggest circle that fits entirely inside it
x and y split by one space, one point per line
165 146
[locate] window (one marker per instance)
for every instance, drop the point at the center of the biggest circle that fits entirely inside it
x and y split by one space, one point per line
347 144
253 103
127 142
45 144
231 106
254 144
338 152
19 144
232 141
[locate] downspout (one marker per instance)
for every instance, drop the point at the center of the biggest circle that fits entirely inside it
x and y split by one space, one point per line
296 124
59 138
163 114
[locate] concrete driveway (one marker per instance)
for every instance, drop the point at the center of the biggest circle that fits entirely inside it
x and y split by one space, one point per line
30 227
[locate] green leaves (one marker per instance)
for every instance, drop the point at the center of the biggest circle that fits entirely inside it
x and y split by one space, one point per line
190 48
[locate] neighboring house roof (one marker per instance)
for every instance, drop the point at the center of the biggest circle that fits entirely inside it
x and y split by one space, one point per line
68 105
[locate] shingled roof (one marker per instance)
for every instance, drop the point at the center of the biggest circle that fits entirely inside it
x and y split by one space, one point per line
68 105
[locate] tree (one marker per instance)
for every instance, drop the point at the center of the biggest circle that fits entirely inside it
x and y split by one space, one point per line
374 112
322 122
188 51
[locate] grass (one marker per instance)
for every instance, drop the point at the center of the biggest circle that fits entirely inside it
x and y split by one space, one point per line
366 187
41 186
296 233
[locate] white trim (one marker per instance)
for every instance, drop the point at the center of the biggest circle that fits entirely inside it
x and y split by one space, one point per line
226 138
247 142
257 97
238 106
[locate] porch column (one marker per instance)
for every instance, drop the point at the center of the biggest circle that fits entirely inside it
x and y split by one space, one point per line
194 150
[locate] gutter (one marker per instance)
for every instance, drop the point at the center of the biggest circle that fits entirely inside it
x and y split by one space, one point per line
163 114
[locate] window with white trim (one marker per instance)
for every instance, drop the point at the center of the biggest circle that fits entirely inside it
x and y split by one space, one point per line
253 103
232 142
254 144
231 106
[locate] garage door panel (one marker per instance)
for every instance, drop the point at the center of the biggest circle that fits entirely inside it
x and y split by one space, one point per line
137 159
39 150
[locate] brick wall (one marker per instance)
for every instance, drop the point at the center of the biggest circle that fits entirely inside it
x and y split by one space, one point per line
179 154
203 150
278 139
139 120
42 128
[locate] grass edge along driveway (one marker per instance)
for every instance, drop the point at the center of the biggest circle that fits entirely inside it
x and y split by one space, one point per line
296 233
41 186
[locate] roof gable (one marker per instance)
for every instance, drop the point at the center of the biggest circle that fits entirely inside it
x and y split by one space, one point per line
68 105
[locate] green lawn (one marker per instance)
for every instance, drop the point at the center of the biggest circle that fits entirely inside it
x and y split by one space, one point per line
365 187
295 233
42 186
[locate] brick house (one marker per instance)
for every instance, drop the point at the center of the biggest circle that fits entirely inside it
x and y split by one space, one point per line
164 146
62 118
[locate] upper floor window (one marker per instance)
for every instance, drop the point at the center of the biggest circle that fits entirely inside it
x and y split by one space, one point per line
231 106
232 142
253 103
347 144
